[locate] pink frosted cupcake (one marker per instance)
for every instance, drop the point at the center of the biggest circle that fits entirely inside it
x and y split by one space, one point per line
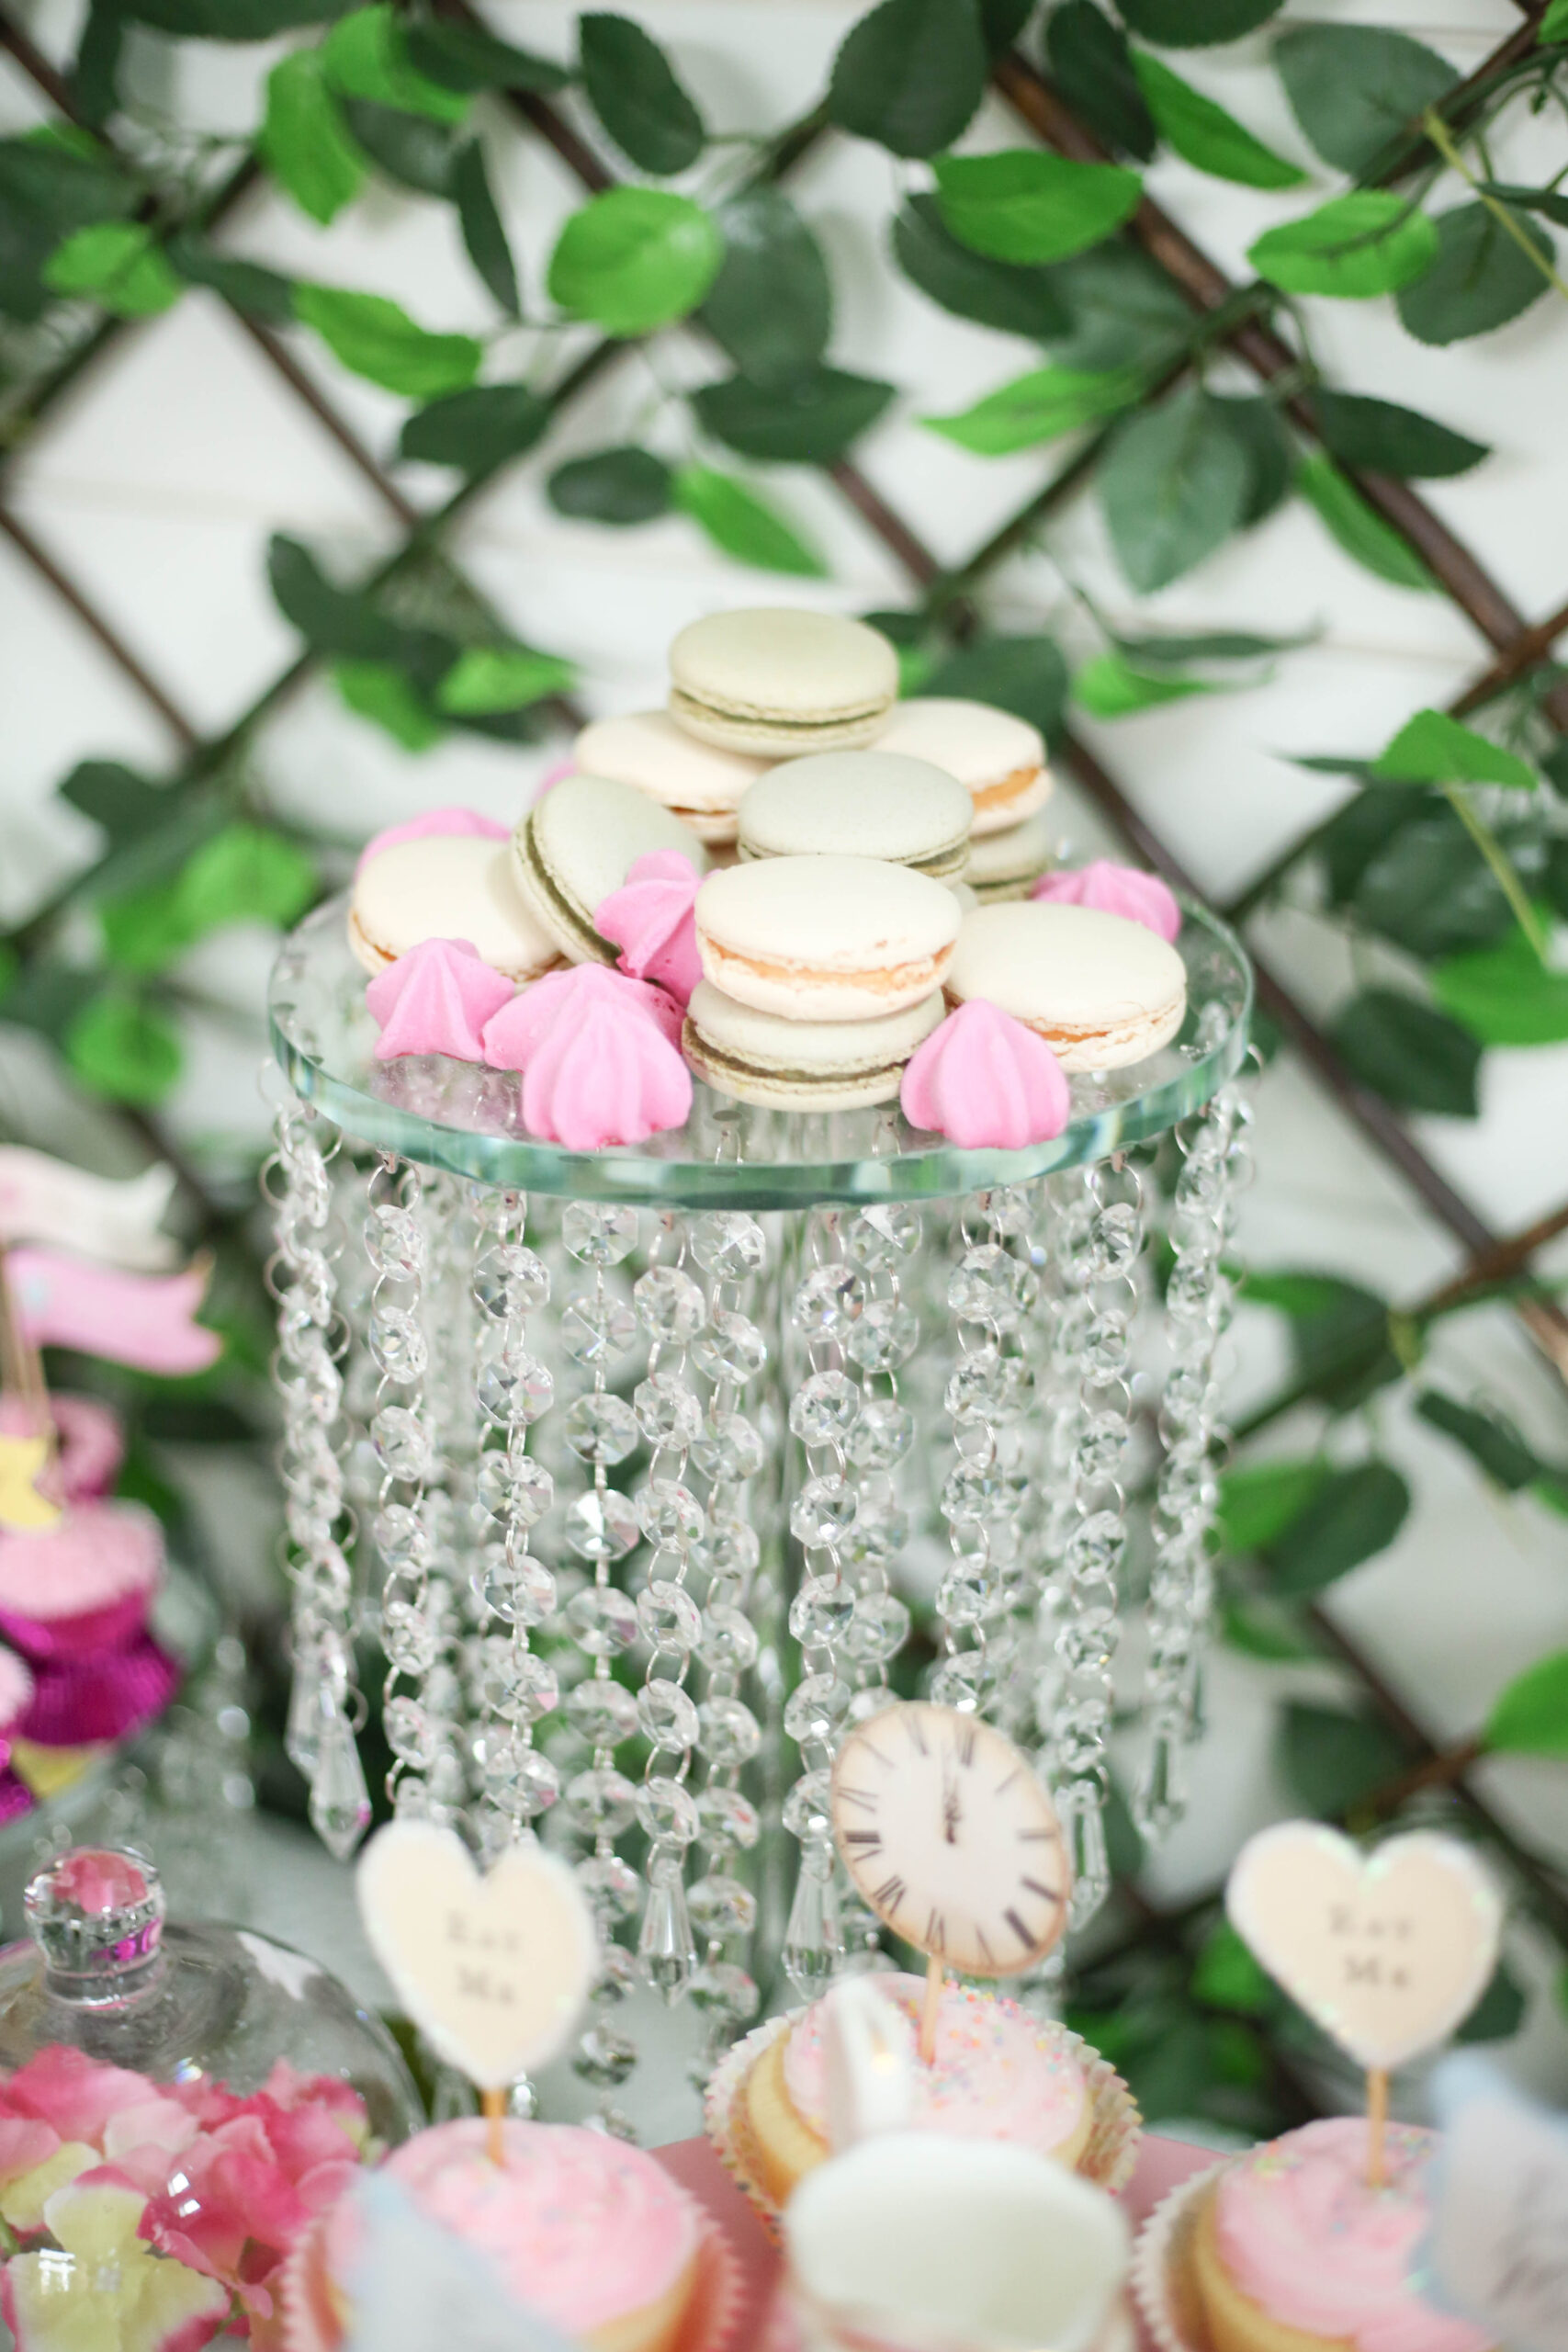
85 1584
91 1443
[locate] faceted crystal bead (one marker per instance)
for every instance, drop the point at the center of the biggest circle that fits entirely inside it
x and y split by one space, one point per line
721 1907
611 1885
828 1302
883 1434
600 1525
881 1237
520 1593
518 1779
806 1809
727 1548
410 1735
514 1486
402 1441
729 1450
887 1336
595 1330
602 1621
815 1710
879 1629
966 1681
668 1616
726 1821
397 1345
1009 1210
879 1534
821 1511
604 2056
973 1491
664 1943
728 1732
669 1305
667 1718
514 1386
729 1645
1099 1447
616 1980
989 1390
407 1638
666 1812
601 1429
968 1594
511 1278
393 1240
822 1408
402 1537
598 1236
820 1612
602 1711
814 1943
515 1684
989 1285
722 1991
340 1802
729 1244
667 1412
1116 1237
601 1801
668 1513
731 1348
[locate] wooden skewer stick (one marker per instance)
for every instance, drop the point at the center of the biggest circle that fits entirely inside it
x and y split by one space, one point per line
1377 2125
21 1366
935 1979
493 2105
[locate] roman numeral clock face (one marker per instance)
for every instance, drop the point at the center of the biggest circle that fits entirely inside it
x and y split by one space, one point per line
951 1839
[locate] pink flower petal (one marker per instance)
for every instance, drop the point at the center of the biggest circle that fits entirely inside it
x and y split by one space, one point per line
74 2092
986 1081
1112 890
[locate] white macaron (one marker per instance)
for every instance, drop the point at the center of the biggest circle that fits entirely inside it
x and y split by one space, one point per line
997 757
775 682
825 938
860 804
802 1065
1101 991
694 780
446 887
577 845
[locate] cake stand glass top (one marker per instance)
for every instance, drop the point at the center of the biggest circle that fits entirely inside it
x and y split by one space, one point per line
458 1117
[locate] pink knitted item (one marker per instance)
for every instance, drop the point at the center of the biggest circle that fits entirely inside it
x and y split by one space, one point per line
985 1081
435 1000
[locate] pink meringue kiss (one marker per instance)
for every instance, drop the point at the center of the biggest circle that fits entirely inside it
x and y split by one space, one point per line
649 918
986 1081
435 1000
1112 890
443 824
599 1065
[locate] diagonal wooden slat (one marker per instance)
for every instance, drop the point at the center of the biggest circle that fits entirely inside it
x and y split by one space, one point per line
130 663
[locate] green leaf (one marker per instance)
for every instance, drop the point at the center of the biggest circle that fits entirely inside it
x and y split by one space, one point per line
376 690
1409 1053
1354 246
1002 21
771 305
1172 487
486 678
1125 312
1361 532
377 339
50 185
618 486
1196 24
1258 1504
476 430
1020 205
1204 135
484 232
1553 25
1530 1716
998 293
740 522
1355 88
122 1049
1432 748
1255 422
1479 278
1505 995
260 293
116 263
229 19
409 148
1169 650
1500 2011
1486 1435
364 56
1024 675
1092 67
633 90
144 930
115 798
634 259
1353 1515
1108 687
812 422
245 874
466 57
1333 1760
1387 439
910 74
1227 1977
331 620
1426 886
1339 1336
304 141
95 74
1036 407
1549 202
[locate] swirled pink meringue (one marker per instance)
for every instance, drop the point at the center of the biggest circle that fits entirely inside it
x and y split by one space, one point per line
649 918
435 1000
1303 2235
986 1081
441 824
996 2075
598 1062
1112 890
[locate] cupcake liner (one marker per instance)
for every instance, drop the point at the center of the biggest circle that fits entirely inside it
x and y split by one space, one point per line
116 1623
15 1797
1109 2157
78 1702
1166 2303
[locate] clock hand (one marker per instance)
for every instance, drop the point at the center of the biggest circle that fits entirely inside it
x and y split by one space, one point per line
950 1808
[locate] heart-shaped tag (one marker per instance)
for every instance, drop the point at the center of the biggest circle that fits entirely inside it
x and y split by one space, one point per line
1387 1951
493 1969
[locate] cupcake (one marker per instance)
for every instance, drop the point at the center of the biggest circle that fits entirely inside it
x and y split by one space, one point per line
1291 2249
91 1445
999 2074
85 1584
591 2236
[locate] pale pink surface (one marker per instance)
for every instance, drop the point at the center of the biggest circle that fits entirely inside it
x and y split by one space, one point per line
986 1081
97 1880
436 823
16 1688
146 1320
598 1060
650 920
90 1444
95 1555
1304 2236
1112 890
579 2227
995 2076
435 1000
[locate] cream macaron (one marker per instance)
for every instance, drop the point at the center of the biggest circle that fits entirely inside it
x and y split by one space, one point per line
776 682
825 938
802 1065
448 886
997 757
577 845
1003 866
697 782
860 804
1101 991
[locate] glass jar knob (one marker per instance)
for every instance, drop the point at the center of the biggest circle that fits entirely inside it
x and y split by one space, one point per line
97 1915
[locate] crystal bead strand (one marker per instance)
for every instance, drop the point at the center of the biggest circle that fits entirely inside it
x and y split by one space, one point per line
731 1249
1198 1309
883 1242
513 1688
1102 1269
324 1705
600 1429
827 1303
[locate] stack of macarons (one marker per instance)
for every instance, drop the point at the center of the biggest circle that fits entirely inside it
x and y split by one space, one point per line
1000 759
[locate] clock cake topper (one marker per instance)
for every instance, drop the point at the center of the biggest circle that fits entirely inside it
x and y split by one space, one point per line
950 1838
